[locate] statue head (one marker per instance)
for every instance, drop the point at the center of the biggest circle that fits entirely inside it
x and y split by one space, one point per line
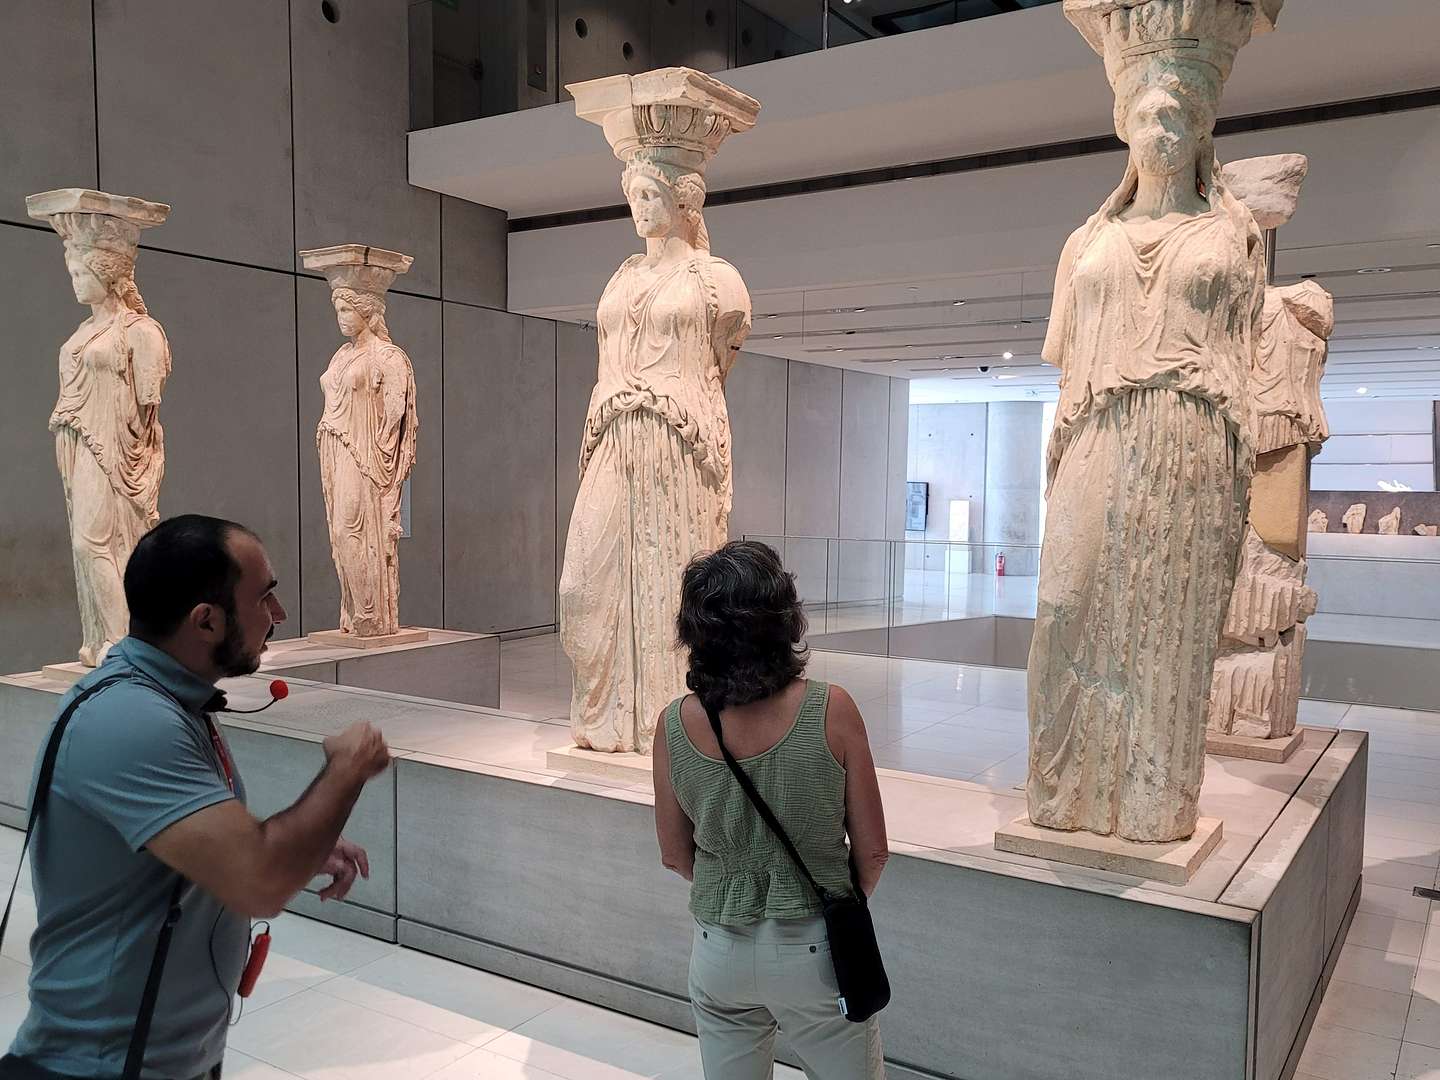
100 256
356 311
1167 61
102 235
666 200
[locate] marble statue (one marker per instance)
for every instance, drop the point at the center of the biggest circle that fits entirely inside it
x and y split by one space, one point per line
366 439
655 479
109 445
1157 307
1427 530
1389 525
1354 519
1255 688
1319 521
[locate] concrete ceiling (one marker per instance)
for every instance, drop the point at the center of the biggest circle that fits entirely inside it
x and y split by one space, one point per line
868 277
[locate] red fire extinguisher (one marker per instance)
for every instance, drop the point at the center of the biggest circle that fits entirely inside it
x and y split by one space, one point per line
1000 564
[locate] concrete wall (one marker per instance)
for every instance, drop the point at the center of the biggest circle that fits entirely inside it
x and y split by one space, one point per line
1014 482
267 129
947 451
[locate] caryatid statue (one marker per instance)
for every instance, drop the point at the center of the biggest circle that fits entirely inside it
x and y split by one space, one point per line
1255 690
655 468
1157 307
366 441
109 445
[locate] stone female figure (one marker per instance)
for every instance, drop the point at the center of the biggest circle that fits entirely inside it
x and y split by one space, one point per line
1157 302
109 446
366 438
655 481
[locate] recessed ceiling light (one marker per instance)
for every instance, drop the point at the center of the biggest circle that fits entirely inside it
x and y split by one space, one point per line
1362 390
772 316
958 303
1008 355
1433 245
859 309
1375 270
779 336
1007 376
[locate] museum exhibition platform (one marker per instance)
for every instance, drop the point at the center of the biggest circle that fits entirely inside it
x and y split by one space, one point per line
1003 965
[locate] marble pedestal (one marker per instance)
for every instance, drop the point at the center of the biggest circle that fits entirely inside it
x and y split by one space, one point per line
1226 972
1172 863
573 761
445 664
408 635
66 674
1252 749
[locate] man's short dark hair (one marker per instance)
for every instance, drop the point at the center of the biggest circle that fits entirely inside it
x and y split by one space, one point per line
182 562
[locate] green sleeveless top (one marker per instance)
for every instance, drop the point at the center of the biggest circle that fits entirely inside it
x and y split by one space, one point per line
742 874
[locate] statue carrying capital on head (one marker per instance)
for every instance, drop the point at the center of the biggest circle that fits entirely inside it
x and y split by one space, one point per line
109 446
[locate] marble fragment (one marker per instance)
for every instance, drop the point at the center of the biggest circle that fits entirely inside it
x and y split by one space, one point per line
1269 186
1427 530
655 457
1319 521
1389 525
1354 519
366 440
109 445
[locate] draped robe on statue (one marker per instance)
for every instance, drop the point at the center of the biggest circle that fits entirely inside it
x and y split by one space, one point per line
1149 468
655 489
110 450
366 441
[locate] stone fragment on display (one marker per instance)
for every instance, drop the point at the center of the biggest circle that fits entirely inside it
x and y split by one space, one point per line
109 444
655 457
366 441
1389 525
1255 689
1354 519
1117 734
1427 530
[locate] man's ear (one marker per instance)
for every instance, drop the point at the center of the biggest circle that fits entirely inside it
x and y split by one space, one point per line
208 620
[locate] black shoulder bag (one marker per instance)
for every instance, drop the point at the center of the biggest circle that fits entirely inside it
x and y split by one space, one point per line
140 1035
859 970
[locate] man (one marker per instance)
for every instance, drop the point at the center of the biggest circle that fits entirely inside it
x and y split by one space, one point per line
145 793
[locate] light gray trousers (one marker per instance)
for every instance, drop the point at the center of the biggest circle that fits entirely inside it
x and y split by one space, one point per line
747 982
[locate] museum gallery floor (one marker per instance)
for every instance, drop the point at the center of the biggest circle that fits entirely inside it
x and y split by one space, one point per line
981 944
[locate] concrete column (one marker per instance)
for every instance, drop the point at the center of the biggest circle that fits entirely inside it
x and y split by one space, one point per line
1013 482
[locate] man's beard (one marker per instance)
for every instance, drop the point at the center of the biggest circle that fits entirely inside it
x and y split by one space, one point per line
230 656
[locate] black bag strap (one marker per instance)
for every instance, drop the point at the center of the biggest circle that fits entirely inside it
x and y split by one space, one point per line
761 807
140 1035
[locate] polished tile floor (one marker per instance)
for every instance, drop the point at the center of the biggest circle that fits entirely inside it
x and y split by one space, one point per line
336 1006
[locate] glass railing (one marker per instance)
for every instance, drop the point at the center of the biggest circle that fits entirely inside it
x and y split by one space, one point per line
975 603
474 58
867 588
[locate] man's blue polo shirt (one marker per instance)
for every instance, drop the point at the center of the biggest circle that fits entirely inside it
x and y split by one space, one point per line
136 758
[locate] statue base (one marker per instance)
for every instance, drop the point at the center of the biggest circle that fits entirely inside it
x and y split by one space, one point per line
627 767
1253 749
340 639
69 674
1172 863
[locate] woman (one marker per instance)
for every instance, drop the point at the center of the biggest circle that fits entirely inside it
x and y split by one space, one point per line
109 446
366 440
1157 302
655 480
760 959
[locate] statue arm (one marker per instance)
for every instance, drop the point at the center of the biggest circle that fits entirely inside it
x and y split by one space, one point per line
1057 331
732 321
150 360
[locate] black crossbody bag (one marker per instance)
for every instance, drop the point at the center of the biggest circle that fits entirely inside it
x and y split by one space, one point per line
140 1035
859 970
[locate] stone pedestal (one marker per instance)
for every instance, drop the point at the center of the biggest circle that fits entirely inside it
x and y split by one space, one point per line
1171 863
408 635
67 674
578 762
1254 749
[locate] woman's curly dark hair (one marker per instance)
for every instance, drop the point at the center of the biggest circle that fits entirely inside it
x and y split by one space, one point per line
743 623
